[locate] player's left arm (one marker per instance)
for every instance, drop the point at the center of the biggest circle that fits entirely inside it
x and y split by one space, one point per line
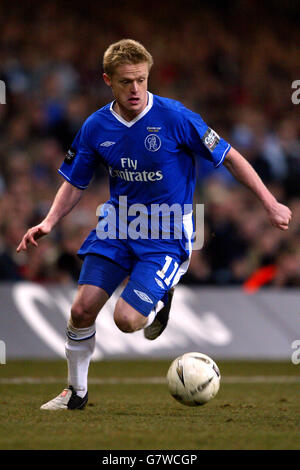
241 170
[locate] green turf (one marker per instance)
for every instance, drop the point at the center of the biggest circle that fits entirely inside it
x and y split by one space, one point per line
145 416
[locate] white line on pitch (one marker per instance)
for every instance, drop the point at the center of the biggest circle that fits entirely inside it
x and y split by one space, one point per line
150 380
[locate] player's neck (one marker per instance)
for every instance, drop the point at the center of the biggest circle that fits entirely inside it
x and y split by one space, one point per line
127 115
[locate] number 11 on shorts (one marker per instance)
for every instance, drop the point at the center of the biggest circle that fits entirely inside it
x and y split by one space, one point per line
163 271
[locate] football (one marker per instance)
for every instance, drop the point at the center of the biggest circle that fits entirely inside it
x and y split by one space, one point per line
193 379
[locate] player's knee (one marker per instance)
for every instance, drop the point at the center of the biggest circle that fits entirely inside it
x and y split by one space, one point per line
81 317
128 320
125 323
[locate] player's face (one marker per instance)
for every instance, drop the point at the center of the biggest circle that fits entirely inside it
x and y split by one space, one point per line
129 86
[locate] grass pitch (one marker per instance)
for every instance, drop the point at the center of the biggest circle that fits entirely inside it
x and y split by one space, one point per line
257 407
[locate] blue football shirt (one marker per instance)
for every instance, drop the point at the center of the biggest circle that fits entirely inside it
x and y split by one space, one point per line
151 159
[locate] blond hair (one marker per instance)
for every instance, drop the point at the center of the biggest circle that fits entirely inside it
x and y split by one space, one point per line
126 51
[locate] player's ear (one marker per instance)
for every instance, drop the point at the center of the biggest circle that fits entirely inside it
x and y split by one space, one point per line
106 79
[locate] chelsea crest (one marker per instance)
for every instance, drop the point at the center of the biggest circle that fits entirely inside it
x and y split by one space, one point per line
152 142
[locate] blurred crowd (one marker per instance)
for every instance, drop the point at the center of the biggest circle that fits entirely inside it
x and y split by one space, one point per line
230 64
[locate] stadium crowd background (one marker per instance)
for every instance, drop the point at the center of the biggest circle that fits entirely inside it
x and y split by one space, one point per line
232 64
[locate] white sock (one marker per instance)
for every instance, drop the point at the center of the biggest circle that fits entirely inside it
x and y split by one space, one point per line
79 351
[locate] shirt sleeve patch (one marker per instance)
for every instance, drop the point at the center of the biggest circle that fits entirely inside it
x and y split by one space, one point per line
70 155
210 139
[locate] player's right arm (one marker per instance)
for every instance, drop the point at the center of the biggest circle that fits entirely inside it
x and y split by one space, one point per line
66 198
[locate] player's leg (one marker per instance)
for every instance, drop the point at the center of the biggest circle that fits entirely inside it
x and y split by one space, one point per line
154 329
171 278
79 347
174 266
81 331
127 318
80 343
148 285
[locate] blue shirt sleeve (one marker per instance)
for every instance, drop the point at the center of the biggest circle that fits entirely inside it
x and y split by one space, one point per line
81 160
201 139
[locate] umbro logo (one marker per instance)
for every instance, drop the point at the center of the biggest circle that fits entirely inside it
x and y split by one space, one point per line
107 143
71 334
143 296
160 283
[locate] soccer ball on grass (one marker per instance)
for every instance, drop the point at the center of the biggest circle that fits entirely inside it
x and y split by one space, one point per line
193 379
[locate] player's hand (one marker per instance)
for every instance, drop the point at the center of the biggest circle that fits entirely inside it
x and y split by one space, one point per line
33 234
280 215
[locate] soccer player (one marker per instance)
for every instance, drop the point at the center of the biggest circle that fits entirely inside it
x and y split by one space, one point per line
149 145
